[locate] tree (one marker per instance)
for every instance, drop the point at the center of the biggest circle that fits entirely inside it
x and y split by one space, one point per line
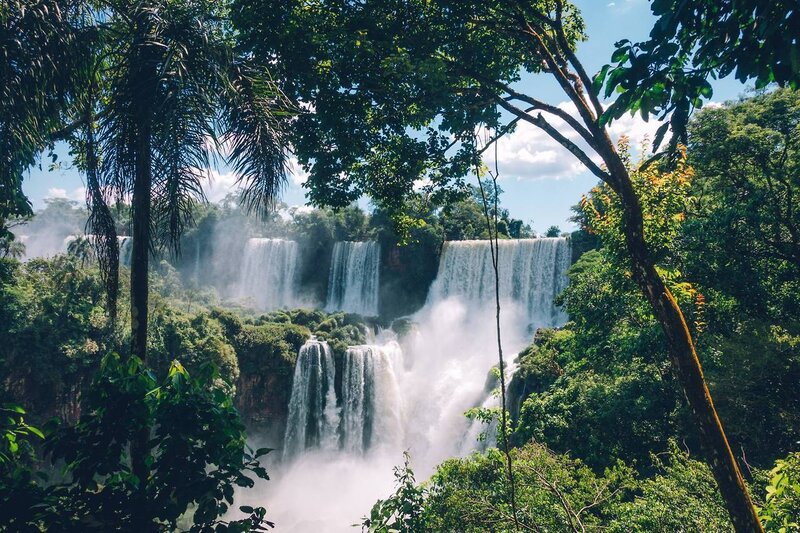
699 39
749 155
395 91
144 92
174 83
174 87
41 51
552 231
197 452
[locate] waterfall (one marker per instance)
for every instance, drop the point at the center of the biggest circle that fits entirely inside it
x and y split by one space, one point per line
353 278
196 273
313 416
392 399
532 272
269 273
125 245
371 407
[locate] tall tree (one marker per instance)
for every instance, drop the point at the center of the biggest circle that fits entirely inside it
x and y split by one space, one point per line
170 90
395 90
155 89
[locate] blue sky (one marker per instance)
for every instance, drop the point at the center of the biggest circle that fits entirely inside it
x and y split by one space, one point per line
541 181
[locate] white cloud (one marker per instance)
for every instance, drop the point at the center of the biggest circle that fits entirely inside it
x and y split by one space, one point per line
297 175
77 194
217 185
530 154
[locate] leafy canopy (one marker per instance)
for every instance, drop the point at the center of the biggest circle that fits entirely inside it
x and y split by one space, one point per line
395 91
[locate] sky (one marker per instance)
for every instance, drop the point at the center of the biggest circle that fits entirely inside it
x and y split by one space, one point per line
540 180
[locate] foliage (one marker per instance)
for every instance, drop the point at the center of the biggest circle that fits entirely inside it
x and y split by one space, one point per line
196 455
681 497
692 41
400 98
269 348
14 435
553 231
555 493
748 154
53 329
664 198
402 511
42 48
193 340
781 510
601 388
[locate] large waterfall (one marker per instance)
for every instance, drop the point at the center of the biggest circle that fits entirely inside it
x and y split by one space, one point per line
353 279
410 394
269 273
532 272
313 417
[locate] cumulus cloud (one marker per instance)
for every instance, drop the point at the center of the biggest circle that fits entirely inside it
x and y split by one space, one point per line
530 154
217 185
77 194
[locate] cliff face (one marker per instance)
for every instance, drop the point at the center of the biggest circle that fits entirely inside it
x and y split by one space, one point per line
263 399
60 399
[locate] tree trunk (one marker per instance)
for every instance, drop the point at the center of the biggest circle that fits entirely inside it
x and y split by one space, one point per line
686 364
144 80
139 283
140 247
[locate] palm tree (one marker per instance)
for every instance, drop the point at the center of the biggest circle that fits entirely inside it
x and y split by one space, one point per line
168 91
81 249
147 92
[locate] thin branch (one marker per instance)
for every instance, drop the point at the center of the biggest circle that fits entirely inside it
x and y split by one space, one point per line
495 251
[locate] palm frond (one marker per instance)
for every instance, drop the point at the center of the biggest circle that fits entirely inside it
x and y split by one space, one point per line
254 112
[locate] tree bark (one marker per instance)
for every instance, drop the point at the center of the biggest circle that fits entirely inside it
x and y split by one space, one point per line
144 83
140 248
685 363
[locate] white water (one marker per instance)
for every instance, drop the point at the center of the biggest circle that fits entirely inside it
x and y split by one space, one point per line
124 243
371 401
531 273
353 279
313 420
269 273
125 250
413 395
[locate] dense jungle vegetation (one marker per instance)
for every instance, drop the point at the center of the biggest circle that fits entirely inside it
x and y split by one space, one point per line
127 392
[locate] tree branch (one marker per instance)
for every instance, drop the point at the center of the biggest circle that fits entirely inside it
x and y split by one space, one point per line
540 122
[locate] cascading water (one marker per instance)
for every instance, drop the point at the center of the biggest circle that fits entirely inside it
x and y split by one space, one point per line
532 272
371 407
269 273
414 398
353 279
125 250
313 416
